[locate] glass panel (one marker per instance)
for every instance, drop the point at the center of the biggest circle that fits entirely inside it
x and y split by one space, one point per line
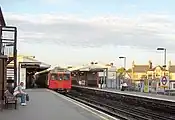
60 77
66 76
54 76
174 85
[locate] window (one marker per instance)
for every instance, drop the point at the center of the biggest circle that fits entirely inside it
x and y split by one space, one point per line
174 85
60 77
136 76
150 76
66 76
166 74
54 76
157 75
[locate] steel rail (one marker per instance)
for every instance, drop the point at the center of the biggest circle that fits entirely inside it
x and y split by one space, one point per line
118 110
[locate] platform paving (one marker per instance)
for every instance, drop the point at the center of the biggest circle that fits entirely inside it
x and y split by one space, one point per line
151 95
44 105
138 94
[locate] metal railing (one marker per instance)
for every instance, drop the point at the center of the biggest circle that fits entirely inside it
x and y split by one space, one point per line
8 47
134 87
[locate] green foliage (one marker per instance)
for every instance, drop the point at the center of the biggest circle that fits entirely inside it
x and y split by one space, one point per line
143 77
121 70
129 70
69 67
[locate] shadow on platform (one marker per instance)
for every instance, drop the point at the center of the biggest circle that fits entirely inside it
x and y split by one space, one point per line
44 105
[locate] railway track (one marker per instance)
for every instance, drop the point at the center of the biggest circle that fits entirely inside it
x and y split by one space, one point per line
117 109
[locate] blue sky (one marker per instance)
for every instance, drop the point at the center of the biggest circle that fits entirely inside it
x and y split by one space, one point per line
72 32
89 7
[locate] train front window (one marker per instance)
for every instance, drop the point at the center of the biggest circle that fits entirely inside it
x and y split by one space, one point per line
54 76
60 77
66 76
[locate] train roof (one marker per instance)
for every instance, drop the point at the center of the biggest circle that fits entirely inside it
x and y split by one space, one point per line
55 70
89 67
59 70
44 71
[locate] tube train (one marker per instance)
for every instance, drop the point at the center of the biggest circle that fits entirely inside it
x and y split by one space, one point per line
56 79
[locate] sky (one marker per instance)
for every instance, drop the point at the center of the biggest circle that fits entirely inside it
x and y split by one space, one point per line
76 32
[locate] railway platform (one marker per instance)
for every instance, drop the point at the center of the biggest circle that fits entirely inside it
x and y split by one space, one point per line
145 95
153 96
47 105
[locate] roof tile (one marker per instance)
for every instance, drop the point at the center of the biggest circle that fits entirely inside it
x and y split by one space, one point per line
141 68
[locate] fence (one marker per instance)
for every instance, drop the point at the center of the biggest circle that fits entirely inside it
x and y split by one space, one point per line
147 86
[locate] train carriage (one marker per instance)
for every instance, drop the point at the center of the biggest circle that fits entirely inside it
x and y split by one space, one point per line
55 79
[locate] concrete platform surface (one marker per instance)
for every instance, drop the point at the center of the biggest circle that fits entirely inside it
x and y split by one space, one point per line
44 105
137 94
146 95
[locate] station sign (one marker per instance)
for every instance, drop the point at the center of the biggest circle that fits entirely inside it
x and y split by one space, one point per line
146 85
30 66
164 82
111 75
101 74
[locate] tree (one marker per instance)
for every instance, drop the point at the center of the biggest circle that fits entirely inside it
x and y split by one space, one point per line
129 70
121 70
69 67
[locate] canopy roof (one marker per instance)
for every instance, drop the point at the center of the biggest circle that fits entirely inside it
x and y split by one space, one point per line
2 21
89 67
54 70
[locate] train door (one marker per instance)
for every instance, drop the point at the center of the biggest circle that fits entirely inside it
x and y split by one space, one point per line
67 80
53 81
60 80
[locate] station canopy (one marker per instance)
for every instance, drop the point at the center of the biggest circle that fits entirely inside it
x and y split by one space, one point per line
32 63
2 21
53 70
89 67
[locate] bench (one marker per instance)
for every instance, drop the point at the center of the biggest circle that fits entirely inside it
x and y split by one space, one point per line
10 99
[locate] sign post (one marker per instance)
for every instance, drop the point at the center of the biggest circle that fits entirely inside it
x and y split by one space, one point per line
164 82
146 85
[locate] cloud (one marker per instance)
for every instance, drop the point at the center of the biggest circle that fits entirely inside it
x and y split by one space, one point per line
144 31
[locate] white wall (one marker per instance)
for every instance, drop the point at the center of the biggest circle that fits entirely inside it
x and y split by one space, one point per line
23 76
111 80
172 84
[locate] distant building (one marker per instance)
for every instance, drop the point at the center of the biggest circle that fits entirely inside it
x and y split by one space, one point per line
112 75
26 67
153 74
139 72
171 69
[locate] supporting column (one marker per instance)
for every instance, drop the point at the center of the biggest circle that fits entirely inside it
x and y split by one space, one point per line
1 49
106 77
3 69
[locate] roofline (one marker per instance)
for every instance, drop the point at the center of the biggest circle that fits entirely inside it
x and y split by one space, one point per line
44 71
2 21
140 65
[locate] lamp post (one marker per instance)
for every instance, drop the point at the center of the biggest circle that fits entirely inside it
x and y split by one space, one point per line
164 49
121 57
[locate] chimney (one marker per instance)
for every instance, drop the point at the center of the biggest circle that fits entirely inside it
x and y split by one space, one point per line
169 64
133 63
150 64
112 64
